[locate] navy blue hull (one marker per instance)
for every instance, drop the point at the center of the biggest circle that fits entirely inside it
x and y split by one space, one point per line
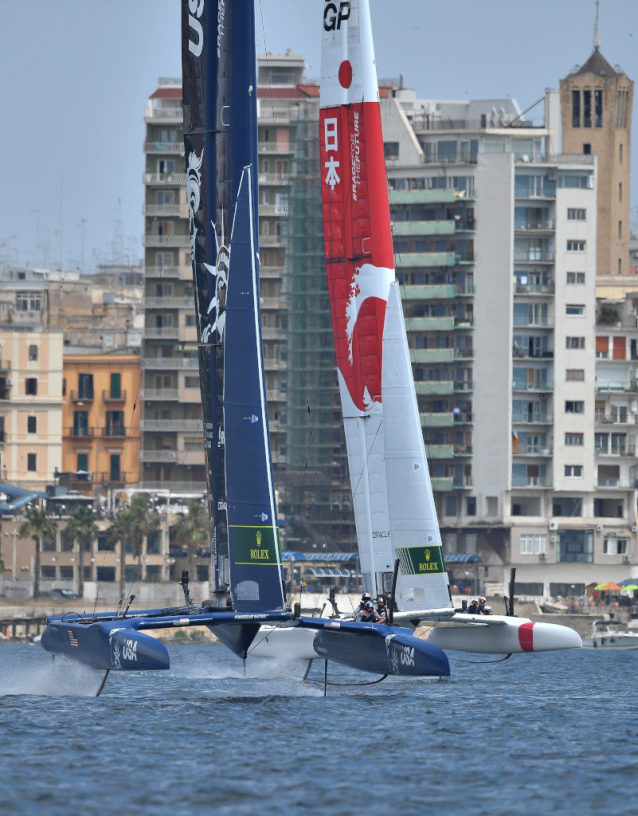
106 646
237 638
388 653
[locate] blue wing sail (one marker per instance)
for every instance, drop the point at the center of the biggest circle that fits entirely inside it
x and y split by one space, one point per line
255 557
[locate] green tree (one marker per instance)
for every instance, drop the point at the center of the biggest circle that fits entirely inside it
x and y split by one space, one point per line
192 530
123 531
131 528
37 526
81 529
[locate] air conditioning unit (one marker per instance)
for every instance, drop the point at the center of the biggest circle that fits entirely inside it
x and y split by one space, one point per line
543 556
553 539
599 528
626 559
553 525
634 407
634 529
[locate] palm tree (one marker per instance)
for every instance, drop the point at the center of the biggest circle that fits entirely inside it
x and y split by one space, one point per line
82 529
122 530
192 530
37 526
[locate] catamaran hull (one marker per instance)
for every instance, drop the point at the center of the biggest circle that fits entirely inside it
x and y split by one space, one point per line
385 654
102 647
284 644
508 636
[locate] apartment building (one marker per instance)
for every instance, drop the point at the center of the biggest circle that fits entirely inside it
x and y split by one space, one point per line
30 407
101 429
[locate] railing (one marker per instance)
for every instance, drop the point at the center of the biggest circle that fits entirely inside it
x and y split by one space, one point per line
533 418
616 386
171 425
532 256
274 178
462 322
462 450
158 456
80 433
534 450
545 385
531 481
188 363
544 224
615 450
114 430
169 302
87 395
164 147
175 112
541 322
427 121
161 209
162 272
155 332
270 240
462 354
621 419
462 483
113 477
464 224
160 393
626 484
463 385
523 354
175 487
164 178
535 288
272 271
114 396
153 240
272 147
273 209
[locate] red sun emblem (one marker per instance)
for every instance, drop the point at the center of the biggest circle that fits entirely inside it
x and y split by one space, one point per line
345 74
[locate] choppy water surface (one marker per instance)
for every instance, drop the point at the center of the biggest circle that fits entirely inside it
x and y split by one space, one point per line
534 734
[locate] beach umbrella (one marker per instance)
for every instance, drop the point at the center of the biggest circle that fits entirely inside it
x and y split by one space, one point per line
627 581
608 587
631 587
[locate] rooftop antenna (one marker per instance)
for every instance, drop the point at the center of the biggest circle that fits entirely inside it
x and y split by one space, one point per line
597 29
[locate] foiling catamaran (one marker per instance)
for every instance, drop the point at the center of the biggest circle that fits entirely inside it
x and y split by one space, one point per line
397 530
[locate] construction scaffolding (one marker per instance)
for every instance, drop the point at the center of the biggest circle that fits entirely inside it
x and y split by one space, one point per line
318 498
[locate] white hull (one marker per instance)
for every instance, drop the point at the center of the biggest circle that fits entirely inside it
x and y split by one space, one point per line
622 640
286 644
503 635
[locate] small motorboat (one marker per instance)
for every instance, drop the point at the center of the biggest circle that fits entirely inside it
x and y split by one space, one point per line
609 635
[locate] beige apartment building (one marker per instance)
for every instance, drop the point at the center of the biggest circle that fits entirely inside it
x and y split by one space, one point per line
30 407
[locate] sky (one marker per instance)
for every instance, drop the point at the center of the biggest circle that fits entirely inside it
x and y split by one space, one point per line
77 75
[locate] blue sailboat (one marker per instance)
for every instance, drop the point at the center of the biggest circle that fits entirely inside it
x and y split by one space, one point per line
220 118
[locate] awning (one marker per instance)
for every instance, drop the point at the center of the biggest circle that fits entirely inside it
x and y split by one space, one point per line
309 556
464 558
328 572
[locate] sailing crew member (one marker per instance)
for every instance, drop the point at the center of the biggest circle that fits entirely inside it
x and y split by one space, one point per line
481 604
382 611
368 614
487 609
473 608
365 598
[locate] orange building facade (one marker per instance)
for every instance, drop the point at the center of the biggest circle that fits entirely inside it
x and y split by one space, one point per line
101 425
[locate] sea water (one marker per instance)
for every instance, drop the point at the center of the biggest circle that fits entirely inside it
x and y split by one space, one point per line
547 733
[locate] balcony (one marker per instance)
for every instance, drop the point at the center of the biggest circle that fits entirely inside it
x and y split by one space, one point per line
533 450
534 256
534 288
523 354
434 387
615 450
164 147
445 419
442 291
423 324
164 178
542 225
532 418
114 396
431 355
531 481
113 477
273 302
273 240
543 386
170 112
277 179
622 484
161 333
158 456
174 487
86 394
181 363
439 451
114 431
538 322
80 433
631 386
424 259
272 271
161 394
162 272
162 209
171 425
155 240
466 322
423 196
616 419
169 302
273 209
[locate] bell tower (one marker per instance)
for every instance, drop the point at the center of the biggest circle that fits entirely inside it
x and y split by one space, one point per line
596 107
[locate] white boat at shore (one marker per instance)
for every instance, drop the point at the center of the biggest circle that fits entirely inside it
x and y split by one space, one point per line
606 636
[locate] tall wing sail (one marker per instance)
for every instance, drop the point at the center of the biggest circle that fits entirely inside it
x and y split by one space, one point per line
360 263
255 560
422 578
206 98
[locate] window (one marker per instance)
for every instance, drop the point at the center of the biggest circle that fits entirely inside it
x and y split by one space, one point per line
492 506
574 471
33 352
574 310
575 246
191 382
32 462
575 109
598 109
450 506
574 439
470 506
154 572
576 215
28 302
85 386
83 461
575 277
602 348
622 546
64 387
575 546
575 342
574 407
621 111
66 573
116 386
154 543
103 543
48 544
190 320
587 109
620 229
48 573
202 572
391 150
533 544
615 546
587 149
106 574
620 191
620 153
31 386
575 374
620 266
32 424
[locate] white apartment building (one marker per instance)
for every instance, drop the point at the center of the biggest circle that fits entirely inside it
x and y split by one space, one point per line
495 241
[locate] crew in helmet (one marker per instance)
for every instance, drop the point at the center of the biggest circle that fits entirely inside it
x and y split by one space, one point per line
368 614
365 598
486 610
481 604
473 608
382 609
